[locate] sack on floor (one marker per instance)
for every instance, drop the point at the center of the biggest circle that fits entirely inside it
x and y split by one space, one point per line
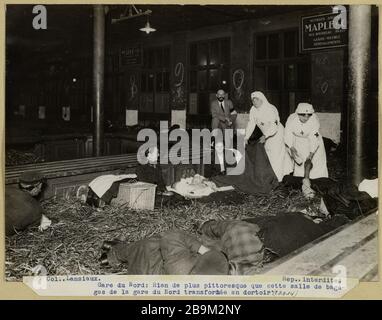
21 211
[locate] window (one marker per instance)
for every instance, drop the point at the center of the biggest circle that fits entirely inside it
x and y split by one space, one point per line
155 80
273 77
290 44
273 46
261 47
280 71
209 71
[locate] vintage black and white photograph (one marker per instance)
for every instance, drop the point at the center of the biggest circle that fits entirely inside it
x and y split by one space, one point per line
191 140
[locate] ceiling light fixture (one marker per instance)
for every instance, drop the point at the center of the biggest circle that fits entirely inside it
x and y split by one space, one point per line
147 28
131 12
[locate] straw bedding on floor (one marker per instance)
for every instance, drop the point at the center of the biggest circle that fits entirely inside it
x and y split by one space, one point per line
72 244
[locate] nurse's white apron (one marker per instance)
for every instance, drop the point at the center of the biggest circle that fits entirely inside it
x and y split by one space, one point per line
319 169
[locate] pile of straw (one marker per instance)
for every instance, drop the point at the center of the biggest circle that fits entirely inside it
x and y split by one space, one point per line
72 244
15 157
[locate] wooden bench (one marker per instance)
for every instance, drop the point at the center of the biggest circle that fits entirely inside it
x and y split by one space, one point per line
64 177
354 246
68 146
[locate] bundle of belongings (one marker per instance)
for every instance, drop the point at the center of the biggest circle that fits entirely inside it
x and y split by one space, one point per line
196 186
370 186
339 198
22 207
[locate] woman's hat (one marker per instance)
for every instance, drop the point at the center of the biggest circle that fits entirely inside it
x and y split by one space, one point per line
304 107
212 262
257 94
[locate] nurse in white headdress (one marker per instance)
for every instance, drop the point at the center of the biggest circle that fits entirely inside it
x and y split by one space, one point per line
266 117
304 141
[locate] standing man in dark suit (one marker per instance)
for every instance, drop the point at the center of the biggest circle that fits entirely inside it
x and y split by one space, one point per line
223 115
222 111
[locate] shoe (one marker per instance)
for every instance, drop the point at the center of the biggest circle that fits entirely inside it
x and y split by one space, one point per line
108 244
167 193
103 259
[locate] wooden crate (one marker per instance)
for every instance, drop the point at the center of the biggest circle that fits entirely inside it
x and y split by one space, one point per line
138 195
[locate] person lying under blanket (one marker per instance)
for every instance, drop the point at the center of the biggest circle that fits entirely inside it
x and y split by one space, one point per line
288 231
22 209
251 242
172 252
338 197
236 247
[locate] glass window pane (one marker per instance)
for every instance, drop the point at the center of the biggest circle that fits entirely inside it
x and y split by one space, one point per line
166 57
303 76
260 78
202 54
193 81
193 103
225 52
150 86
273 77
159 81
214 53
159 57
214 80
143 82
151 59
145 58
290 76
166 81
193 55
273 46
290 44
202 80
261 47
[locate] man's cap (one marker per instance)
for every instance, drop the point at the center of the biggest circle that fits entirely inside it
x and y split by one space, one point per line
31 177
